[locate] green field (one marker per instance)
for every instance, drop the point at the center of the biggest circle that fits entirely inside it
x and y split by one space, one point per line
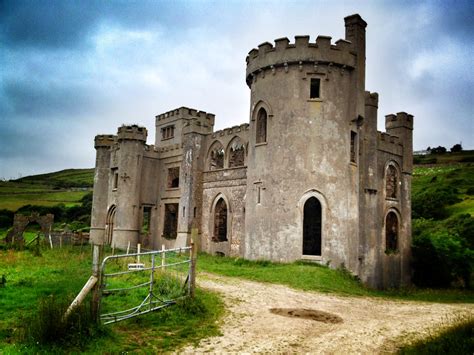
63 187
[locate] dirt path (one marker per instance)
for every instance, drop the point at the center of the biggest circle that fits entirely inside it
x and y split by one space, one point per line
368 325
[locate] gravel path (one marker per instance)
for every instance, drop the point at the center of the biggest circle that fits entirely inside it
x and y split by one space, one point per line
368 325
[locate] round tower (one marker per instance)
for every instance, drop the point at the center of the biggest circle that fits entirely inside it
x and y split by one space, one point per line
302 195
131 142
102 144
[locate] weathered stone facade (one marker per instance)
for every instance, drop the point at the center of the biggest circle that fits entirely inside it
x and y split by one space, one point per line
309 177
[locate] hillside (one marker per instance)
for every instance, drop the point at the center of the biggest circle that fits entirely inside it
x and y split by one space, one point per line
62 187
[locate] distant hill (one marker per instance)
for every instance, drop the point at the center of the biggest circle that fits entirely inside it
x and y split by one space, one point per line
62 179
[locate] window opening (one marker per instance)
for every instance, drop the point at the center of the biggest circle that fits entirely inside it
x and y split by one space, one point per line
314 88
173 177
261 126
170 227
146 219
216 158
116 176
167 132
391 182
237 154
391 233
220 221
312 227
353 147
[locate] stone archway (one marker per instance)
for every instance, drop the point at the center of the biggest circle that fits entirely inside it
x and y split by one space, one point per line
20 222
312 227
109 224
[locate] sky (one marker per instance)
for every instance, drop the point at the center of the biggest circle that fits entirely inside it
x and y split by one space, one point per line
74 69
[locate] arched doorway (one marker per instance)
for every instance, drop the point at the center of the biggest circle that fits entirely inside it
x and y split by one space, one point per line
220 221
391 233
312 227
109 224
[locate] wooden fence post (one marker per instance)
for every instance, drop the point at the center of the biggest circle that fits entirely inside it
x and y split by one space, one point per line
192 276
96 264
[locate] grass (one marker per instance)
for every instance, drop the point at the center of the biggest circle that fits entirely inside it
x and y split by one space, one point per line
456 340
314 277
61 274
77 177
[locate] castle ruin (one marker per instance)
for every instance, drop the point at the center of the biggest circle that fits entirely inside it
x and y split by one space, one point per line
309 177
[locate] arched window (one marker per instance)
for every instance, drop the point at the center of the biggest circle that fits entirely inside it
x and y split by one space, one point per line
236 153
391 182
312 227
109 224
391 232
220 221
216 156
261 126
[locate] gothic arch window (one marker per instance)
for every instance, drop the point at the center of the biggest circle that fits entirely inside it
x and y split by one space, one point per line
216 156
391 232
312 224
220 221
236 153
109 224
391 182
261 132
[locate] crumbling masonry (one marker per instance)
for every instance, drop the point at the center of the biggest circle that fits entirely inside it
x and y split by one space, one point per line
309 177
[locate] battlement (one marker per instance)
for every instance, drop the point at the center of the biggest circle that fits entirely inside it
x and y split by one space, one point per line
371 99
186 113
104 140
284 53
132 132
388 143
231 130
400 120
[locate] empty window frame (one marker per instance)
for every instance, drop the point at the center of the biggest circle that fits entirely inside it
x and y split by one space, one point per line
216 156
391 182
261 131
170 228
220 221
167 132
353 147
391 232
236 153
146 219
173 177
314 90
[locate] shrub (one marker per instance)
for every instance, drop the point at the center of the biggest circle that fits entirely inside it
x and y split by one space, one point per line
49 327
440 257
432 203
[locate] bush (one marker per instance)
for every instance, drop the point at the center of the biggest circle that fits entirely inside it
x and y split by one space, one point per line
49 327
432 203
6 218
440 256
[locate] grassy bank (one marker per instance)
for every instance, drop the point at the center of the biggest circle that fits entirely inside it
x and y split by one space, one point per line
61 274
314 277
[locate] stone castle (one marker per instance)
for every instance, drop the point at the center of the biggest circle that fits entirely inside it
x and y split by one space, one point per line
309 177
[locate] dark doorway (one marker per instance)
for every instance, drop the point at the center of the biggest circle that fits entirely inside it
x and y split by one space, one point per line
220 221
391 233
170 229
312 227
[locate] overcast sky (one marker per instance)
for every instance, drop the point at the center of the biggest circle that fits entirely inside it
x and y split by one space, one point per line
74 69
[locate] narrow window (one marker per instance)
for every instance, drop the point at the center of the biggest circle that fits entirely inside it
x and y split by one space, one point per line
314 89
167 132
173 177
116 176
146 219
194 212
312 227
184 211
353 147
170 227
261 126
391 182
220 221
391 233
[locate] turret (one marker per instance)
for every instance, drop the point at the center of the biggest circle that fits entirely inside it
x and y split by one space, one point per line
102 144
401 125
131 145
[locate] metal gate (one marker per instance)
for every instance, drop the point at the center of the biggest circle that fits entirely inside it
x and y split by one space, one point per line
145 281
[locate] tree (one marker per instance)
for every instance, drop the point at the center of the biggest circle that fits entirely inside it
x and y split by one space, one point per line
456 148
438 150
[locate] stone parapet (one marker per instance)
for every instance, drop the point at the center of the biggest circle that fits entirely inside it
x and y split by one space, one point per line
132 132
104 140
186 112
284 54
231 130
401 119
